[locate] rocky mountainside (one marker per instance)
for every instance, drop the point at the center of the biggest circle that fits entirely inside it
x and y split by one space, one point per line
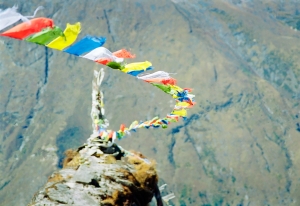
239 145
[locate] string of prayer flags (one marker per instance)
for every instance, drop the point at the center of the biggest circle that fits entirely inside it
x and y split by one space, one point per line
43 31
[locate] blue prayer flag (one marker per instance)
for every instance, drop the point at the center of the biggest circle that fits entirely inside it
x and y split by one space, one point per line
87 44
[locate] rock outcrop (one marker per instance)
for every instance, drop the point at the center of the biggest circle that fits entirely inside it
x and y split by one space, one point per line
90 177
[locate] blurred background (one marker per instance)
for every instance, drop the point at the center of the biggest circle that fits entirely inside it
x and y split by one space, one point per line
239 145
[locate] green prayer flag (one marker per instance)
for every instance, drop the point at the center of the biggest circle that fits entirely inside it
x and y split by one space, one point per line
46 36
164 126
114 65
165 88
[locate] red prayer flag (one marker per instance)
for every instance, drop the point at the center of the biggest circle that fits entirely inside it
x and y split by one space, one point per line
26 29
164 81
123 53
103 61
122 127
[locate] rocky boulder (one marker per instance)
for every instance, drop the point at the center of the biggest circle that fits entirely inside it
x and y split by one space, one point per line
90 177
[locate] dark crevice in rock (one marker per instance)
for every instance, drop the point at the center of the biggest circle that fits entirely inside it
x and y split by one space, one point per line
189 120
19 141
46 66
298 127
288 166
267 165
191 139
4 184
8 99
31 114
224 105
108 25
215 74
289 163
37 94
264 107
171 154
262 153
29 117
204 198
176 129
95 183
185 16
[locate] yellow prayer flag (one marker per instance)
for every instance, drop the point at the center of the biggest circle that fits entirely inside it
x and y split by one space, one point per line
181 112
137 66
70 35
133 124
176 88
183 104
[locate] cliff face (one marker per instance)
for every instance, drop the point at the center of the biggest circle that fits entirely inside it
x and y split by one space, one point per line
239 145
90 177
